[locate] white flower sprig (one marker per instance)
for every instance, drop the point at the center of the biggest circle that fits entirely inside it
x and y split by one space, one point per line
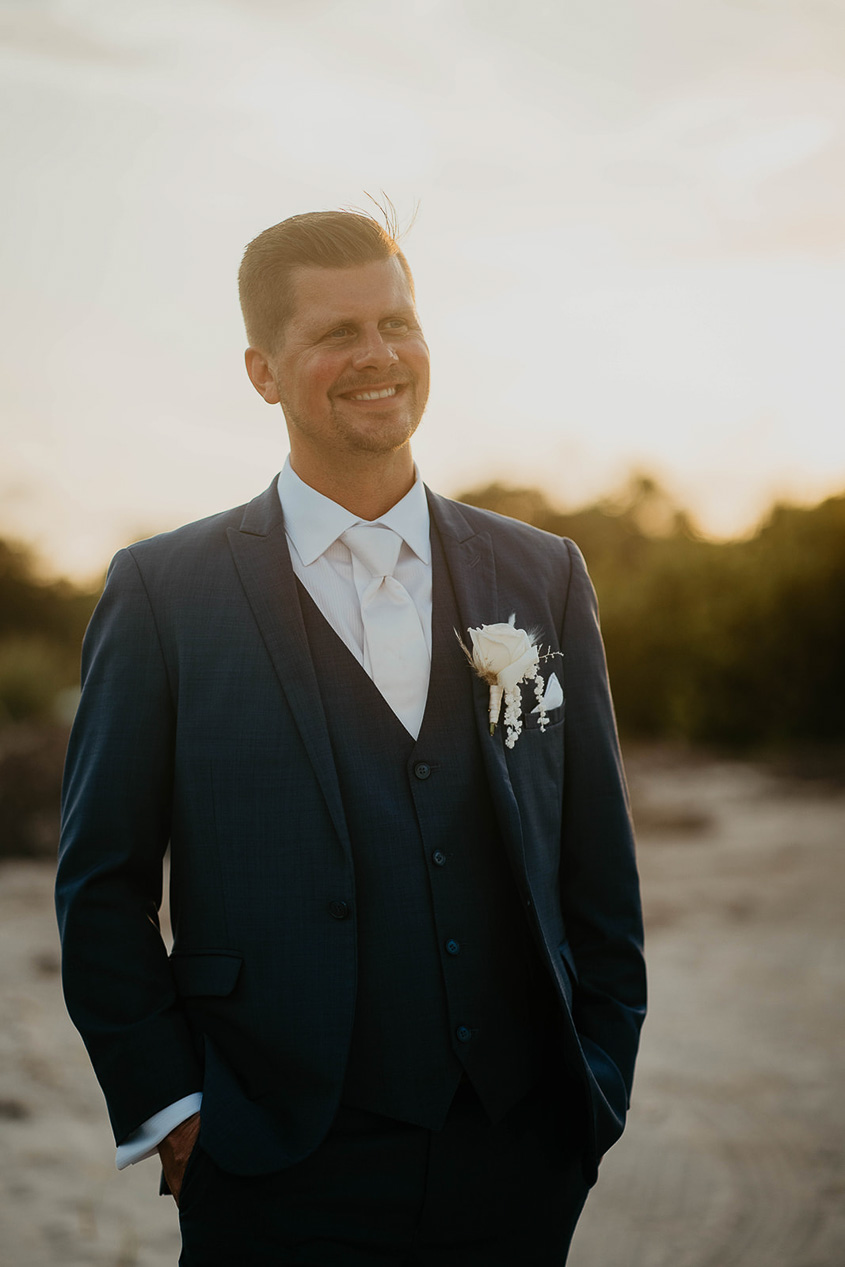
503 656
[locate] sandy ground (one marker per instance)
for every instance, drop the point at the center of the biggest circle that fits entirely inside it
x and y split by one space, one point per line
735 1151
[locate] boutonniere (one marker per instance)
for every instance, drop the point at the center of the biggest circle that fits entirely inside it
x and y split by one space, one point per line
503 657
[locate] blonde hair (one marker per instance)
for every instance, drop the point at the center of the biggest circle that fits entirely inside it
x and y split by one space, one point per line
321 239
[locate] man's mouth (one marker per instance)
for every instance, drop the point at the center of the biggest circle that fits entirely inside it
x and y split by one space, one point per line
377 393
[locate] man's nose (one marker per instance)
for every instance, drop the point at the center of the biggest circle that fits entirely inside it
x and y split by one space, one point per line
373 351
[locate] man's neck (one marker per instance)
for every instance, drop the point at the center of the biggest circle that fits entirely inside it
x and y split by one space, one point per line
366 489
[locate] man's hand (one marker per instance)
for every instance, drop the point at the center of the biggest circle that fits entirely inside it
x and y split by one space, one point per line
174 1151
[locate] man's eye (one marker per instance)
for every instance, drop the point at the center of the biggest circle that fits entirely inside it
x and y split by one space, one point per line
396 323
340 333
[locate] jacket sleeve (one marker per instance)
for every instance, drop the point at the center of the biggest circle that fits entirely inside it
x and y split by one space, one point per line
599 884
116 808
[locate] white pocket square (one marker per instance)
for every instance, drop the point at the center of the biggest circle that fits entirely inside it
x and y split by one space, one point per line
553 697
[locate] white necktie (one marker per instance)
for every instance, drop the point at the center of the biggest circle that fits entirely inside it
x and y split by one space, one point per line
395 652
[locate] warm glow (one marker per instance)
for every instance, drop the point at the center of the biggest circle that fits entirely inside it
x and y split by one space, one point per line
629 252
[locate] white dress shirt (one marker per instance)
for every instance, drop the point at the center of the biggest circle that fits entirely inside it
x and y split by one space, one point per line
323 564
313 524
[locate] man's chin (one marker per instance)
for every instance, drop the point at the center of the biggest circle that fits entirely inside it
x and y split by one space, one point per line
377 435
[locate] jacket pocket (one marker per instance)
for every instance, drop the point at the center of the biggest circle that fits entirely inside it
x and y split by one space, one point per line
210 974
531 720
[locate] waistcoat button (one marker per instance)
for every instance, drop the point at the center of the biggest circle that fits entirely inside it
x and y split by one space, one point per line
452 946
439 858
463 1034
422 770
338 910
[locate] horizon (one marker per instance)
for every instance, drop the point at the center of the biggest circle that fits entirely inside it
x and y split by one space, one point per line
619 501
629 253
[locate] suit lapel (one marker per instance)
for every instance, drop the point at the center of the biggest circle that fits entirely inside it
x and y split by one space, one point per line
260 550
472 567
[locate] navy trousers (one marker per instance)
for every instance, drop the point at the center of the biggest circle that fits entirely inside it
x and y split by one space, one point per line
382 1193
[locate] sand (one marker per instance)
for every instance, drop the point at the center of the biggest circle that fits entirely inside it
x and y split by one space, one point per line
735 1149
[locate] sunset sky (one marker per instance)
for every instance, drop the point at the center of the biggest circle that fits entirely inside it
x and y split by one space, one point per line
629 252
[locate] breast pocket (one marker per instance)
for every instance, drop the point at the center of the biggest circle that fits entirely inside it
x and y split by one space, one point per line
552 701
554 719
554 706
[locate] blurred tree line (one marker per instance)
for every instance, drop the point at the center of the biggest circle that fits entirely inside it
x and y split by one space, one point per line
41 628
737 644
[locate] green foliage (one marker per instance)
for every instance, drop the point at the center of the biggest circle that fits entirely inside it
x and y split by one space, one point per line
54 609
34 674
41 628
738 644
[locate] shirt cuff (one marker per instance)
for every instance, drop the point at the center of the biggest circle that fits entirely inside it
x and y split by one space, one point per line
142 1143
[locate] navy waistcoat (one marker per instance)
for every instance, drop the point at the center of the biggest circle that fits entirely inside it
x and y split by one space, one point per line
448 978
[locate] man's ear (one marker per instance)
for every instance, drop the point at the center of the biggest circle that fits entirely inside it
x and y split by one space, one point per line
261 376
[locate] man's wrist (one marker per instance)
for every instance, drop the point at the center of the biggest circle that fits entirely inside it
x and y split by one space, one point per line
178 1143
175 1150
144 1142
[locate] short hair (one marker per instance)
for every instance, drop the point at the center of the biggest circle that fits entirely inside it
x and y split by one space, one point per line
321 239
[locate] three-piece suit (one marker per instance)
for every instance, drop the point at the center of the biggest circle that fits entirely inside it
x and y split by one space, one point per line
359 917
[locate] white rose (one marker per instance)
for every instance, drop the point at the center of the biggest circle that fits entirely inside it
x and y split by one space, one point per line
503 656
503 653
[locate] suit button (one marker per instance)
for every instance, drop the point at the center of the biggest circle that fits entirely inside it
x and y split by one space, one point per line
439 858
463 1034
339 910
422 770
453 947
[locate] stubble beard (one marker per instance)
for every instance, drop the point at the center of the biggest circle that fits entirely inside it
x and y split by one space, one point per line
374 436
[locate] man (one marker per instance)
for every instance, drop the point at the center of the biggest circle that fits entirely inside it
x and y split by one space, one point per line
399 1020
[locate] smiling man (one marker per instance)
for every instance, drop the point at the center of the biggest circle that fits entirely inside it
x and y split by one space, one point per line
399 1019
350 370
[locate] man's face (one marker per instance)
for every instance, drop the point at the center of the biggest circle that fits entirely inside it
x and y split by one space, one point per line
352 372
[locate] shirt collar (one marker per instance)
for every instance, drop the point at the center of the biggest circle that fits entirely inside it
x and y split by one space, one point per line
313 522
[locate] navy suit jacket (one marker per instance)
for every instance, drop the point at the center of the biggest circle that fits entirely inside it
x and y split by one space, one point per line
201 725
